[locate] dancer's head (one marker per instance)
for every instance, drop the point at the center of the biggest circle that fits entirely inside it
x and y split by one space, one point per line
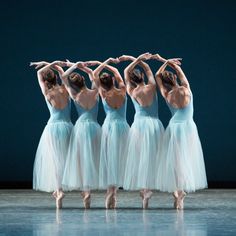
50 78
169 79
76 81
106 80
136 77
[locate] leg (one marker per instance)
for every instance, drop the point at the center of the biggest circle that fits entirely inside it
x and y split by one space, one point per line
110 202
86 198
114 199
179 196
145 195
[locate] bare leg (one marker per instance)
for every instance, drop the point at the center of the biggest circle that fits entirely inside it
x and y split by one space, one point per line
145 195
179 196
114 199
110 202
86 199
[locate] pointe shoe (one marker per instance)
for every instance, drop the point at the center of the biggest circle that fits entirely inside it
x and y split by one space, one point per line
113 202
146 197
175 195
58 203
108 201
87 201
179 201
59 198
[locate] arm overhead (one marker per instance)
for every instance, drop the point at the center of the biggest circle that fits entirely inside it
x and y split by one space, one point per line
40 74
103 65
162 89
172 64
131 66
183 80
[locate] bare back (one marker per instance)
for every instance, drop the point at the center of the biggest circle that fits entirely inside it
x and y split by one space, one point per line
57 96
87 98
179 97
144 94
114 97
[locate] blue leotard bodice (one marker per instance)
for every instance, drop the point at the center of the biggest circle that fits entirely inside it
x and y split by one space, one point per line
87 114
182 114
151 110
113 113
59 114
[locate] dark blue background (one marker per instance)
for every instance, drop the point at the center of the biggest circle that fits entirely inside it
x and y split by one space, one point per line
201 32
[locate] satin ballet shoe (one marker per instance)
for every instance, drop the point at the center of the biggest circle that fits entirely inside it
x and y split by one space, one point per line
179 200
108 201
113 201
146 197
87 201
59 198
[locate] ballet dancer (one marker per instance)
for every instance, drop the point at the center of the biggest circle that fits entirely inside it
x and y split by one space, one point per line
53 145
146 131
182 167
114 129
81 170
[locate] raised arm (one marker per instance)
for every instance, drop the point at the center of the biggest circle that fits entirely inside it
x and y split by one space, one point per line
148 72
84 67
173 65
117 76
158 57
103 65
40 73
131 66
162 89
39 64
183 80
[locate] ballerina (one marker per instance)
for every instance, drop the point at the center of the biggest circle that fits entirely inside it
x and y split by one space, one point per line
52 149
146 131
81 170
182 167
114 129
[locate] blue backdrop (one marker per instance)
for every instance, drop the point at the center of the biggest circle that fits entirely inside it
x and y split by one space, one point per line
201 32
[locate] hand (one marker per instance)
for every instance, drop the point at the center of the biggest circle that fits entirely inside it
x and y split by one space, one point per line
38 64
126 58
112 60
79 64
59 63
145 56
92 63
176 61
156 57
69 63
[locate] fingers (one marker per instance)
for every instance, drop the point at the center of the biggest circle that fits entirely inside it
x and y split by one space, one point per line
145 56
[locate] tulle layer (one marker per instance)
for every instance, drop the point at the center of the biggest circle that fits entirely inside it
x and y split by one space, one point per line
182 165
113 152
81 171
51 156
145 140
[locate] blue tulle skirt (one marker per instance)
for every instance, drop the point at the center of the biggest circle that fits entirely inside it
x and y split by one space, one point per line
113 153
81 170
145 140
51 156
182 165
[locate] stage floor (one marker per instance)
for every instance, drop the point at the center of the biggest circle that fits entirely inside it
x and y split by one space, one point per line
208 212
